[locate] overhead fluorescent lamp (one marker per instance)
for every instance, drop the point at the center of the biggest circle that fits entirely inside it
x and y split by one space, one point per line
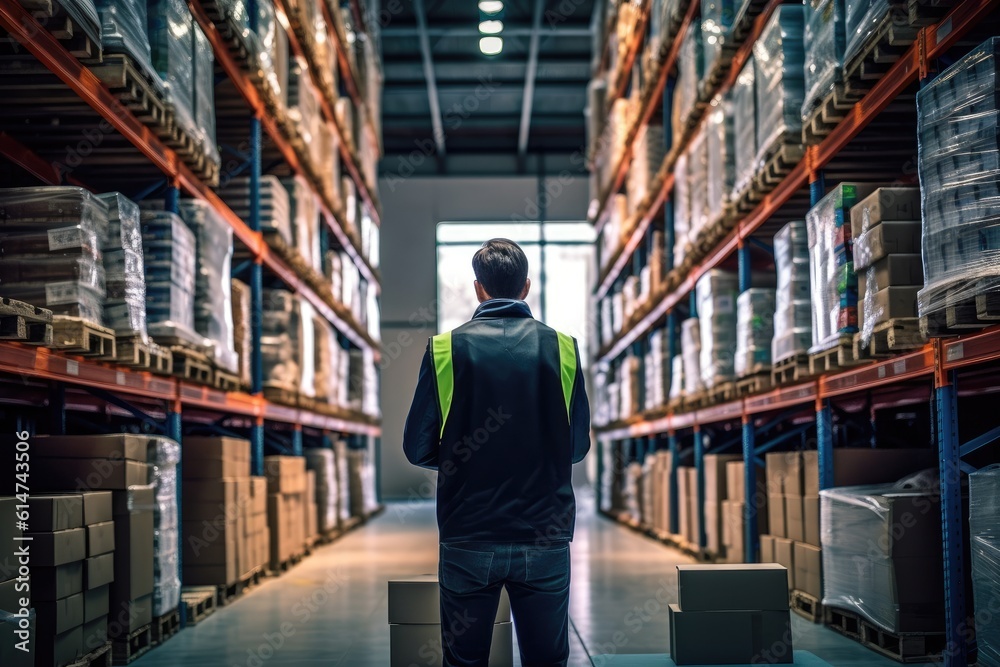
490 6
491 46
491 27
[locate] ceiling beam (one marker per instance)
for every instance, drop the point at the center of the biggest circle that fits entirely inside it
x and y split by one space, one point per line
529 80
473 31
432 93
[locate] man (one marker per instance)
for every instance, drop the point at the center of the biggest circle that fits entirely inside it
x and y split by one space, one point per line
501 413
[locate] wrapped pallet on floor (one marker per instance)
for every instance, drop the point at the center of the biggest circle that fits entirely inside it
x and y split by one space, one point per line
322 462
164 457
984 533
286 507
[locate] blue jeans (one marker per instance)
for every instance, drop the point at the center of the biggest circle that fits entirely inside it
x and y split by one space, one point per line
471 575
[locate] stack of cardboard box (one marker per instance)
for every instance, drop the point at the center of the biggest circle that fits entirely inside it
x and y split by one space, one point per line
746 606
17 632
311 527
687 498
734 510
286 506
716 493
323 462
415 624
259 533
217 501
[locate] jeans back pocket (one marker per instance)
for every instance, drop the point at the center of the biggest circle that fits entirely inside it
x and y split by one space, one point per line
463 570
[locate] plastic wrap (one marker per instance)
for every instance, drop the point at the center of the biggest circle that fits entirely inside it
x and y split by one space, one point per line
171 42
825 41
792 300
85 16
834 285
125 274
274 51
168 249
304 218
327 348
682 209
958 121
778 64
123 30
699 175
647 156
213 312
721 159
888 290
307 349
754 331
275 207
716 22
690 70
882 554
369 401
862 18
280 341
744 96
323 462
984 535
241 328
691 352
164 455
203 93
716 293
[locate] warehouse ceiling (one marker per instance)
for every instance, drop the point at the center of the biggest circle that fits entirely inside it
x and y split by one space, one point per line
442 96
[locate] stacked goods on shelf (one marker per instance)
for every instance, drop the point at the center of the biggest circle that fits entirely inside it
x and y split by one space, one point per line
744 110
647 155
825 40
203 93
862 18
286 507
893 578
124 27
734 512
716 21
323 462
689 524
370 240
84 17
632 492
677 379
343 481
304 215
125 277
281 340
19 620
691 339
690 70
682 209
304 110
662 490
716 294
792 305
746 604
169 259
213 299
310 526
754 331
273 55
833 282
616 230
698 185
164 457
984 532
886 231
721 159
657 369
273 204
612 500
51 239
778 64
716 493
361 481
959 132
241 329
259 534
326 358
217 505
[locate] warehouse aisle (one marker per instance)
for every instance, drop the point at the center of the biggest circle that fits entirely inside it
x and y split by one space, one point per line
332 609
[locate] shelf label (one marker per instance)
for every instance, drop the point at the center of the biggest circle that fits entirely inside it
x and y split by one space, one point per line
881 372
62 292
65 237
899 367
72 367
943 30
119 378
955 352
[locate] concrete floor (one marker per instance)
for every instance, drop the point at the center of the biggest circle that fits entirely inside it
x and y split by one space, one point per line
332 608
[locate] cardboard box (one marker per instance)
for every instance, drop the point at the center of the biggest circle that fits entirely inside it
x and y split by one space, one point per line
58 616
92 474
285 474
95 634
896 270
100 538
59 547
133 557
885 239
119 446
784 554
416 600
216 457
99 571
808 569
853 466
767 549
890 203
125 502
211 575
96 603
211 500
421 644
751 637
794 519
58 650
683 500
784 474
716 479
889 303
52 583
735 483
55 512
748 587
713 526
258 488
810 510
97 507
777 524
694 518
127 616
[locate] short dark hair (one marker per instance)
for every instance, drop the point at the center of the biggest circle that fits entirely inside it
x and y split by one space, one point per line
501 268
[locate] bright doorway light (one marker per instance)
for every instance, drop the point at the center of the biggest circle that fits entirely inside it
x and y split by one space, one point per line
491 46
491 27
490 6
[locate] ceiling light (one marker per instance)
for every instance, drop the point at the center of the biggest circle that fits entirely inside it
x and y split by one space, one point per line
491 46
490 6
491 27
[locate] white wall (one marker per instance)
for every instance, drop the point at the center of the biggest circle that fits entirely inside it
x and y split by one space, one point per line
412 208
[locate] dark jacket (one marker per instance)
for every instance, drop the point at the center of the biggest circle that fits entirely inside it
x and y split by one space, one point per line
512 400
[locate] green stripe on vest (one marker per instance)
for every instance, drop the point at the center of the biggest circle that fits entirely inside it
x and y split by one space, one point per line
444 372
567 365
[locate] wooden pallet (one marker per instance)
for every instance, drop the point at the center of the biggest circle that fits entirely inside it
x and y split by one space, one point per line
191 364
923 13
54 18
965 306
166 626
199 603
896 335
781 158
281 395
839 355
902 647
827 114
25 323
224 380
807 606
792 369
884 46
721 393
137 91
99 657
137 352
79 336
137 644
754 383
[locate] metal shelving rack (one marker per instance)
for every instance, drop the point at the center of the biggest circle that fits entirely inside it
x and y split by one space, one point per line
68 384
932 374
